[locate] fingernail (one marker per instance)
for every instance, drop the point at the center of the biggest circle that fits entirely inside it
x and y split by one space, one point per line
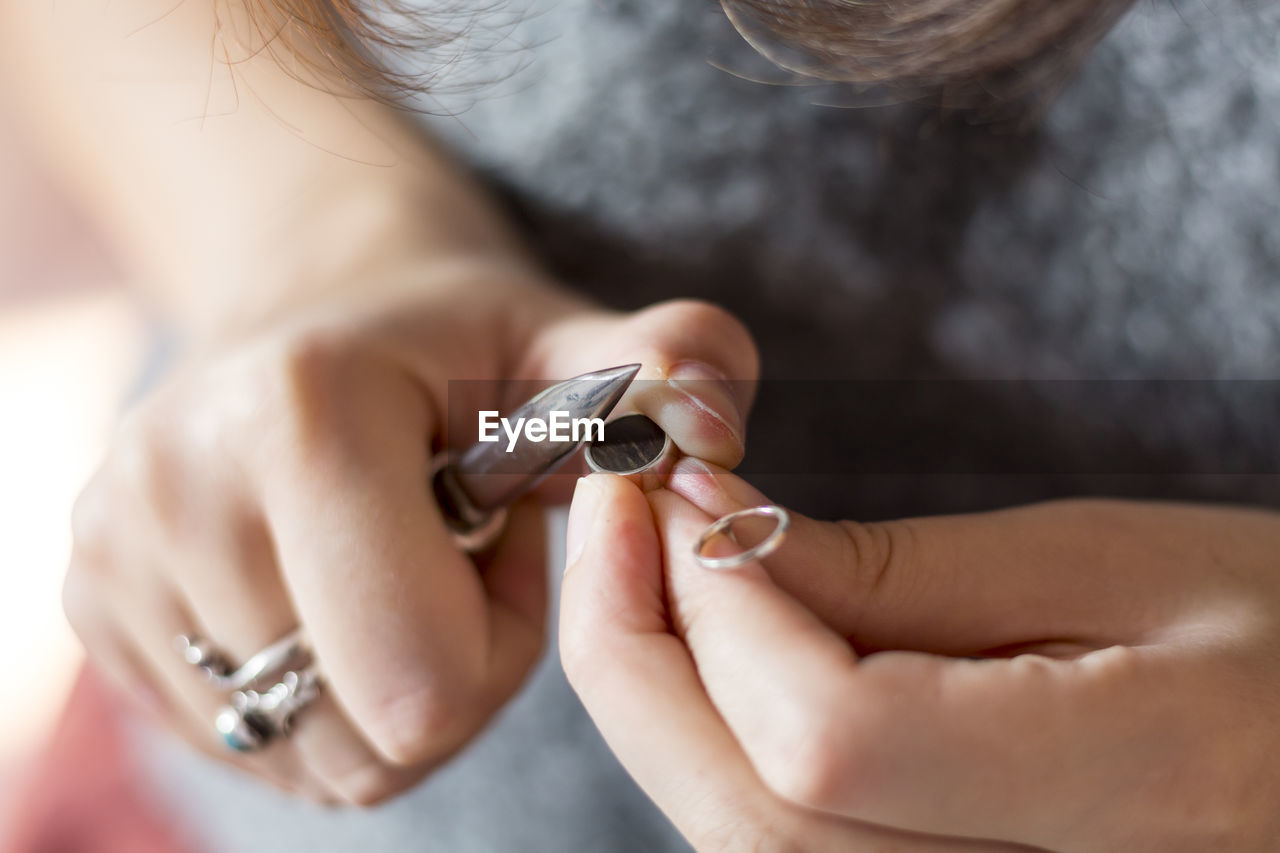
710 390
694 480
582 513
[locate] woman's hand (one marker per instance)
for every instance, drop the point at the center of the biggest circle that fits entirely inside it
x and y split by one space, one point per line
1080 676
281 480
317 255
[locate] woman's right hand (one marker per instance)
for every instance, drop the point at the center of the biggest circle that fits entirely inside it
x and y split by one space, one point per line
280 480
1080 676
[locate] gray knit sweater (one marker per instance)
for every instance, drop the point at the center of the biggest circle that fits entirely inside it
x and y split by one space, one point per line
1134 235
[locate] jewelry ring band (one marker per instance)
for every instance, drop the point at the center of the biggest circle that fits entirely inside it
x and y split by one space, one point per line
199 652
471 529
254 719
289 652
631 444
724 524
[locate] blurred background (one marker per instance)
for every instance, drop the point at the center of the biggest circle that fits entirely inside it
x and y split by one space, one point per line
70 345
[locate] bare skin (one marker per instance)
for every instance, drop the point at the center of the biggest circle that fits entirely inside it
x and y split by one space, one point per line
328 271
1080 677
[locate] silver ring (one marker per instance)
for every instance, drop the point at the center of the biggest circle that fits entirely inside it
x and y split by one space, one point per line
289 652
770 544
199 652
254 719
645 447
474 530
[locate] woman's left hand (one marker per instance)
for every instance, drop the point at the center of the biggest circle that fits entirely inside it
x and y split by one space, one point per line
1090 676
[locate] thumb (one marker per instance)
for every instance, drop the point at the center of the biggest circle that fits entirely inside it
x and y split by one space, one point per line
698 369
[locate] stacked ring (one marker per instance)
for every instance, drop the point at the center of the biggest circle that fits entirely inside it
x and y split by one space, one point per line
254 717
724 525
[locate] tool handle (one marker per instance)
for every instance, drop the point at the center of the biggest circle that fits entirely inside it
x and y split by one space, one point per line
472 529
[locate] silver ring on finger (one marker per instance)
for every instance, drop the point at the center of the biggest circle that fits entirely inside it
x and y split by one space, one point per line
254 719
200 652
291 651
724 525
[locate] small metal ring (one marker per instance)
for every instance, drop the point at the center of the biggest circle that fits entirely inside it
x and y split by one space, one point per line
770 544
590 450
290 651
203 654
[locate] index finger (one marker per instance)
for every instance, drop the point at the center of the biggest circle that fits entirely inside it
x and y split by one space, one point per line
1068 574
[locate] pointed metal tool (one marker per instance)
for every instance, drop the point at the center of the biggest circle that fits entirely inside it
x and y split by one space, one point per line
475 486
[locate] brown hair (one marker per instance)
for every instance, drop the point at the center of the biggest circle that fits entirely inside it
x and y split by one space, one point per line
359 43
964 52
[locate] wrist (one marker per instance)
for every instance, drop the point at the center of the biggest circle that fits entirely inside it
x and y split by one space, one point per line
349 250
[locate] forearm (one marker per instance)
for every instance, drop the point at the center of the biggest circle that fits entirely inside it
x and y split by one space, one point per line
230 188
